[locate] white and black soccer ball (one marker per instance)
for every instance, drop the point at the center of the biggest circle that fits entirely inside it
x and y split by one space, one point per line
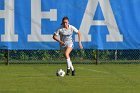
60 72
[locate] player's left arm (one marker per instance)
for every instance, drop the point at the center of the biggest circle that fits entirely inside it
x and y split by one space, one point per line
79 39
79 36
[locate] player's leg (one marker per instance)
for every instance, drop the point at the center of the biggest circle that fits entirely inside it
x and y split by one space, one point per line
69 63
66 54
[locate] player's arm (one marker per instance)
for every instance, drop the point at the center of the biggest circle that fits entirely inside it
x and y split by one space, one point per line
79 36
58 40
79 39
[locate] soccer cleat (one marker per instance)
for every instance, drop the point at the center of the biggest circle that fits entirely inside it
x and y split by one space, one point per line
68 71
73 73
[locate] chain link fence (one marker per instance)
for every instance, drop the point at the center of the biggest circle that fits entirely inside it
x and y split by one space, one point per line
119 56
88 56
50 56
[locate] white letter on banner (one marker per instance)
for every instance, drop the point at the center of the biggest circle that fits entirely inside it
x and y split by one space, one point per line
8 15
87 22
36 16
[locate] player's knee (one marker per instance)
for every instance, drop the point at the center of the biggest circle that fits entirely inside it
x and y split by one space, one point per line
66 55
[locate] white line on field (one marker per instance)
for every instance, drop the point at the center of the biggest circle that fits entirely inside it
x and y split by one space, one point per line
93 70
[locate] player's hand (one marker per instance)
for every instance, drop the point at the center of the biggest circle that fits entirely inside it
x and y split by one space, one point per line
62 43
80 45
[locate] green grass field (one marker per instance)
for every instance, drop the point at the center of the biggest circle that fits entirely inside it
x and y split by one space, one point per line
41 78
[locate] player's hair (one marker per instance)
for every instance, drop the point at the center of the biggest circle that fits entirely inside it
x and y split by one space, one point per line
64 18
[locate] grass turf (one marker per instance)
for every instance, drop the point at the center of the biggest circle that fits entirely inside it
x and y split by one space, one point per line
41 78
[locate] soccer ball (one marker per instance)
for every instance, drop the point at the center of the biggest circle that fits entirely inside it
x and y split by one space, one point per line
60 72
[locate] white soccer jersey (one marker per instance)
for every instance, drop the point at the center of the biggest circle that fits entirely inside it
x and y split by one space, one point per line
66 34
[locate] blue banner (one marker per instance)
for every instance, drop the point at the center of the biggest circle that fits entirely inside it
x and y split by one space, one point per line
104 24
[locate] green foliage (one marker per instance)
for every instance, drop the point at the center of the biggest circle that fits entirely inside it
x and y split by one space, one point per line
89 55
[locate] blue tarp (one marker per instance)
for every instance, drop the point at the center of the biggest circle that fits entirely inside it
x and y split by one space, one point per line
104 24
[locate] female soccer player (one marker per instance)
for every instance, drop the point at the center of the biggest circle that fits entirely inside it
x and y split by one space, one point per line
65 31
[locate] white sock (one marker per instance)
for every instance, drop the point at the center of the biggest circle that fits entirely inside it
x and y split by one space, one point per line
68 63
71 66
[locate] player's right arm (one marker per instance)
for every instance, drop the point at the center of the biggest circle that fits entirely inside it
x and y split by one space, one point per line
58 40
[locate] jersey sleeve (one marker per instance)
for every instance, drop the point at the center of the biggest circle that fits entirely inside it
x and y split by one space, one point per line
74 29
57 32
